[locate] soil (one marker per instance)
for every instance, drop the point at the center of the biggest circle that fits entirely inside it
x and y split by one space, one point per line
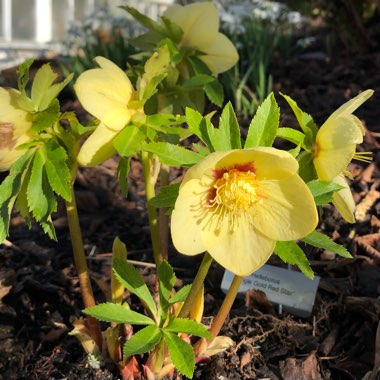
40 298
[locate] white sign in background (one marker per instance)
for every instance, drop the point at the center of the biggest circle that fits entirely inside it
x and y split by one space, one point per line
290 289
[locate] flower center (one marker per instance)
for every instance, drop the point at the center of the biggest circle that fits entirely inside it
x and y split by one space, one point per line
236 190
6 136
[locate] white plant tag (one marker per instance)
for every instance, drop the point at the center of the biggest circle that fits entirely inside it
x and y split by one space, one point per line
291 290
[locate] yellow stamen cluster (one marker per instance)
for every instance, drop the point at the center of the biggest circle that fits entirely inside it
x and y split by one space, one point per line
236 190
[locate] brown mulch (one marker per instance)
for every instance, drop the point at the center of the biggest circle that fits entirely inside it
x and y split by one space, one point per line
39 293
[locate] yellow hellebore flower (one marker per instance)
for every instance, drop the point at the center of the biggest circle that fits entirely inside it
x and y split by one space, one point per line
15 128
200 25
237 204
335 147
105 93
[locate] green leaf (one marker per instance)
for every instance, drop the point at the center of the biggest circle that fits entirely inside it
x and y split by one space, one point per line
306 167
305 121
144 20
166 280
181 354
40 195
131 279
291 253
167 196
123 173
323 191
263 128
181 295
57 170
229 128
215 92
199 126
198 81
43 90
142 341
292 135
46 119
188 326
319 240
23 74
173 155
173 30
115 312
9 190
204 151
129 140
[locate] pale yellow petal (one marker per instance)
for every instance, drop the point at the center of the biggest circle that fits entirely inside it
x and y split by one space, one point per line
199 23
103 89
20 120
9 156
328 164
186 218
220 55
98 147
204 168
267 162
336 133
352 105
117 118
287 209
343 200
242 250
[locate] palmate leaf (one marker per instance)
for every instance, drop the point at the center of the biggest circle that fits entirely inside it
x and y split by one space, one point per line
199 126
114 312
142 341
128 276
43 90
47 118
264 125
291 253
319 240
181 354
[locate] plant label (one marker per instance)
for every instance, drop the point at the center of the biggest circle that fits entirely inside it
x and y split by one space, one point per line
291 290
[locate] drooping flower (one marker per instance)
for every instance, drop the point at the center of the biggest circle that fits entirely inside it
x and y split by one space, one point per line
15 128
200 25
335 147
237 204
105 93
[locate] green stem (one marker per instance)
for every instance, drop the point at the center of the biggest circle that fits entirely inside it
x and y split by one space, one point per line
163 218
150 181
226 306
196 286
81 264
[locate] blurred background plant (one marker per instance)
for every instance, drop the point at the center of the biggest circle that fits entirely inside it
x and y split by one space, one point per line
100 34
261 30
347 21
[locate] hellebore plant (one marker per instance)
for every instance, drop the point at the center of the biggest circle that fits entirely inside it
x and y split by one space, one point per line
239 201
